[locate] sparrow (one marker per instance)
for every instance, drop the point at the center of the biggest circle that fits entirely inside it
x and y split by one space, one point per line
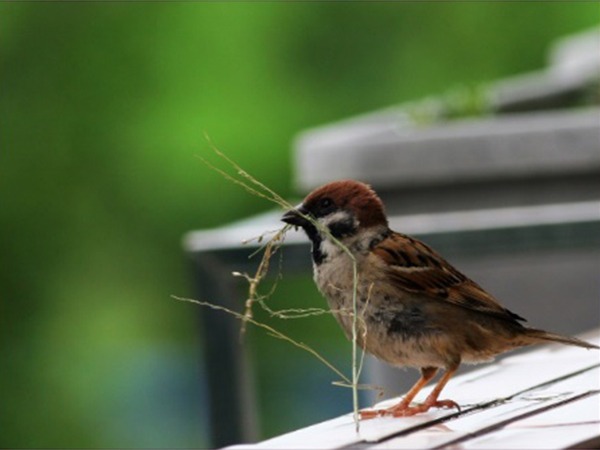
416 309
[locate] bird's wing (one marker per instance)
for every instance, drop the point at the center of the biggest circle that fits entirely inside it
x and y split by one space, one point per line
415 267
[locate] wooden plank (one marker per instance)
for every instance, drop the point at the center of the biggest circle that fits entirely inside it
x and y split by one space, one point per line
331 434
491 398
570 425
502 381
489 419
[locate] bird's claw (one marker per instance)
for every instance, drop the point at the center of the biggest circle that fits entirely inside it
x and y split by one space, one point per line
423 407
403 410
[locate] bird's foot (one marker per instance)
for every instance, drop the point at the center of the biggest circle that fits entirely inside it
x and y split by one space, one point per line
424 407
367 414
372 413
404 410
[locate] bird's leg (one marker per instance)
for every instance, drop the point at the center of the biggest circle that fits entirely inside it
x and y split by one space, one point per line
432 399
427 373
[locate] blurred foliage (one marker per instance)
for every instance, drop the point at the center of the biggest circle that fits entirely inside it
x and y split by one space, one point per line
457 103
103 107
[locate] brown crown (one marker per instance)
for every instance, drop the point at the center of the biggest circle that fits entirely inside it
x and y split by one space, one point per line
358 197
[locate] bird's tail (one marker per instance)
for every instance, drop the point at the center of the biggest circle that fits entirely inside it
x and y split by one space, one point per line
539 336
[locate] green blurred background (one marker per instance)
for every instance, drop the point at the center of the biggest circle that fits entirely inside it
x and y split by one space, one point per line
103 107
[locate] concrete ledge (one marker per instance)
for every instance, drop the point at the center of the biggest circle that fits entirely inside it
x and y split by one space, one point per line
504 147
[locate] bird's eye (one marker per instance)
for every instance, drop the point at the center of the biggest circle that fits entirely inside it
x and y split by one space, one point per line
324 207
326 203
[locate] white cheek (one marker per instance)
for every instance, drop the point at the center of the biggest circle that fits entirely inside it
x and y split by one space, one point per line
330 249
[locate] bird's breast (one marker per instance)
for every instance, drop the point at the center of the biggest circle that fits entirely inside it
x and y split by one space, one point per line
392 325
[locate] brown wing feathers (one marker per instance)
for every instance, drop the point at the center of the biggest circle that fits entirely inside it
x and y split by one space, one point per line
415 267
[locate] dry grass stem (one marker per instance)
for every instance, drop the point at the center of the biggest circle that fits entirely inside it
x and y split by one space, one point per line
263 268
272 331
269 249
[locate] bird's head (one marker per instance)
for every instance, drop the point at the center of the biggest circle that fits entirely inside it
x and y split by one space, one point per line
344 208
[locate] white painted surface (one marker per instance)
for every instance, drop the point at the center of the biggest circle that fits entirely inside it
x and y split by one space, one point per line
546 398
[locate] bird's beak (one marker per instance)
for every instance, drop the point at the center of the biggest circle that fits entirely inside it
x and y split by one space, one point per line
294 216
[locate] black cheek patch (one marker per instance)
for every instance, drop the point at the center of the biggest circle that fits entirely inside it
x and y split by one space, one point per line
342 228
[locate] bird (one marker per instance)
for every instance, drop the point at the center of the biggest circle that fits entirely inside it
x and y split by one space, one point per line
416 309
